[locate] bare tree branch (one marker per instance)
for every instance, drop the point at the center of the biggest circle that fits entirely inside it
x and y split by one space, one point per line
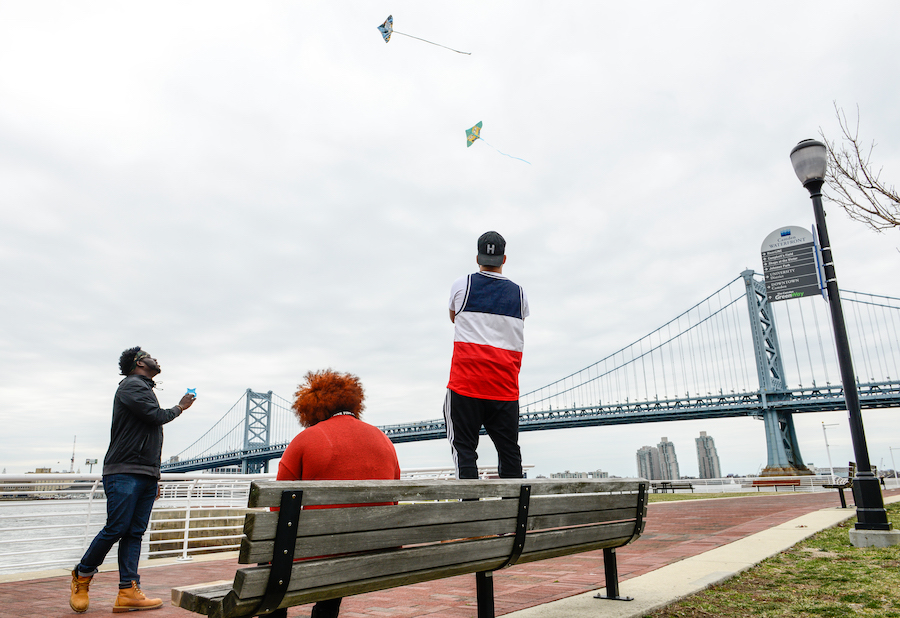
854 184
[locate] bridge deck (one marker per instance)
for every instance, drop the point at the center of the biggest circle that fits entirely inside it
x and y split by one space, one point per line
812 399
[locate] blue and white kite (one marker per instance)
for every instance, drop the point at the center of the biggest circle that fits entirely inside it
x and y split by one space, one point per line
387 29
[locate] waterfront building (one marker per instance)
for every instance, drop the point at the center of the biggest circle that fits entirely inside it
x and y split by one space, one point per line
596 474
668 461
708 457
648 463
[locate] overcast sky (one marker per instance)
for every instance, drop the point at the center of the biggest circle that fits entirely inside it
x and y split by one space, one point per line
254 190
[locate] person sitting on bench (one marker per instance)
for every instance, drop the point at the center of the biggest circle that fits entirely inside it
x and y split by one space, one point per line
335 444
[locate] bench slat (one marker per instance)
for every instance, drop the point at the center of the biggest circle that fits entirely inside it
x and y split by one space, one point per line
202 597
231 606
840 483
260 525
471 555
268 493
430 534
394 536
234 607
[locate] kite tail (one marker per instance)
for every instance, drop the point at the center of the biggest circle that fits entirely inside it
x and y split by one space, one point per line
503 153
433 43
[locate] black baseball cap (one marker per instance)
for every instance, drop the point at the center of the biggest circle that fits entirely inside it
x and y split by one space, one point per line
491 247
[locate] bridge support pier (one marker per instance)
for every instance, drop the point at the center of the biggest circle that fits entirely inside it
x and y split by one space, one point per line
781 439
254 466
257 432
781 442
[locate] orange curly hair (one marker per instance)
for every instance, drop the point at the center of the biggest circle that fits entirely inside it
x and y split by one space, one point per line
325 393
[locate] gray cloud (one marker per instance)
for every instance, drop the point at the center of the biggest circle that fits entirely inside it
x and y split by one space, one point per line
251 192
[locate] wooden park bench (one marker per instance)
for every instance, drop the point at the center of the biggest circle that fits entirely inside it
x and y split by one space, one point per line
673 486
776 483
843 483
410 531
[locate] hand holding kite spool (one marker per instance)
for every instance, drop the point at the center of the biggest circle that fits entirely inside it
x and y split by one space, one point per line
387 28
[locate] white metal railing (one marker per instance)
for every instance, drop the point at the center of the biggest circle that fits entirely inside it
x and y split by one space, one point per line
807 483
48 520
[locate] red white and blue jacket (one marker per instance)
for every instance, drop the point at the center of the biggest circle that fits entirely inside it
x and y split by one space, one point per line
490 336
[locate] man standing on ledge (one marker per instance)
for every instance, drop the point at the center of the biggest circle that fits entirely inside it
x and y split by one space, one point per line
130 481
489 313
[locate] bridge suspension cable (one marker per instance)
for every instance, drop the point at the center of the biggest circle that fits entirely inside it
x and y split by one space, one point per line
874 325
228 433
702 350
700 364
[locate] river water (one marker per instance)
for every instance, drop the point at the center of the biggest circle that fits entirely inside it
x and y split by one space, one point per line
46 534
37 535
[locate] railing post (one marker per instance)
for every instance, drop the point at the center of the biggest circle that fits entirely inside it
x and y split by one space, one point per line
187 524
87 522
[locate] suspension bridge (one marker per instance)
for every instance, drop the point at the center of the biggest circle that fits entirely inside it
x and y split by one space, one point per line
723 357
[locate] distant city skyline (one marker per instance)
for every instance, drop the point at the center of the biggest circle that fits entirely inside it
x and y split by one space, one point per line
660 462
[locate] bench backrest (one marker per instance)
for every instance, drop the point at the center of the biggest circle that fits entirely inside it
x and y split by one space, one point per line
769 482
427 530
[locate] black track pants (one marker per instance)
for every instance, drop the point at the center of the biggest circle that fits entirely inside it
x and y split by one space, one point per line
465 416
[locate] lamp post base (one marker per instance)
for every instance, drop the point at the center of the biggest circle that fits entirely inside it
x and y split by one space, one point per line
874 538
870 512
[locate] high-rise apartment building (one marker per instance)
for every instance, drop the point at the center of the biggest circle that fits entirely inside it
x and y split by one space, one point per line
648 463
668 462
708 457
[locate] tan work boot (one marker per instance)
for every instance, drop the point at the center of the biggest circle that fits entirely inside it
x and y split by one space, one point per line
79 600
132 600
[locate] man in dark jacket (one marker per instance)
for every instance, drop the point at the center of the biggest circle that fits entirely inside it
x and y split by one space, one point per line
130 481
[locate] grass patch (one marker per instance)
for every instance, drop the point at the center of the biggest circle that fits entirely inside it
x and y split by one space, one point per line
820 577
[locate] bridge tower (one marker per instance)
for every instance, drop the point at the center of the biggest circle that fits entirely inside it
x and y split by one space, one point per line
781 439
256 431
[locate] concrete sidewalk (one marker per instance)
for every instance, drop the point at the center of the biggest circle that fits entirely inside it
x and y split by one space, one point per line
670 583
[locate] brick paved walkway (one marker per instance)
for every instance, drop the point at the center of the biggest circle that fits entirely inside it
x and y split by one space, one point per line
674 531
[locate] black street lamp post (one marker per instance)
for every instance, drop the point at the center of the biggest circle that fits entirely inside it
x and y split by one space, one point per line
809 159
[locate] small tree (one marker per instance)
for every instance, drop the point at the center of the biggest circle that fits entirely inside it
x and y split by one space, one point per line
854 184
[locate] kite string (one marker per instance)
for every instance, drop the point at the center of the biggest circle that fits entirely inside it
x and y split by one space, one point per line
501 152
433 43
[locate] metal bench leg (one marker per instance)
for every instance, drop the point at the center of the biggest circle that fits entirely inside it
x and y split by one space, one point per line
843 501
611 574
484 588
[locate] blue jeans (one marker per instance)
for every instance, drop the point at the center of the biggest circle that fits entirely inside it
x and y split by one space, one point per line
129 500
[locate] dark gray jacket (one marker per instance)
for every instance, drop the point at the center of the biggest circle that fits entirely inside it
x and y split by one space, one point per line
136 436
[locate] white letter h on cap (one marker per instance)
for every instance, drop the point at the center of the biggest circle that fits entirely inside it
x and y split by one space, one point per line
490 249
